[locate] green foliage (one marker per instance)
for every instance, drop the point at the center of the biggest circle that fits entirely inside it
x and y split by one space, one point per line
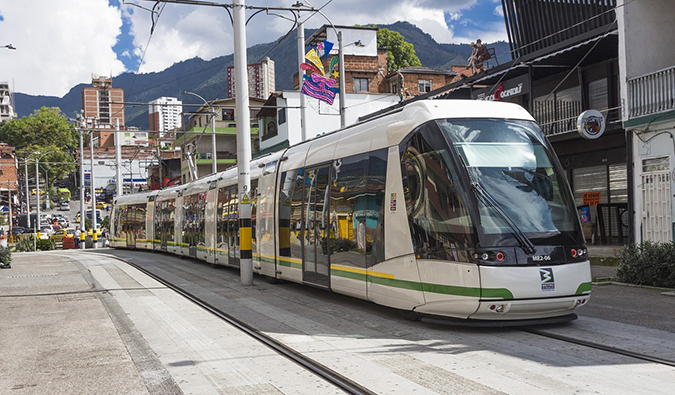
105 223
25 244
45 127
45 135
5 256
400 53
87 224
648 263
46 244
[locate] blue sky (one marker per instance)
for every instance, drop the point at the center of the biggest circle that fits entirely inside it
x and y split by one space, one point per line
63 43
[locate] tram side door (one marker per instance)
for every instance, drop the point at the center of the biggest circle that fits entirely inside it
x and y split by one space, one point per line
315 263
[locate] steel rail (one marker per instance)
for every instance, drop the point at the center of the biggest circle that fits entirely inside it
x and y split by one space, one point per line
599 346
331 376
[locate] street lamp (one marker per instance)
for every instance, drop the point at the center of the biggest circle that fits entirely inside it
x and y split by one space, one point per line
214 164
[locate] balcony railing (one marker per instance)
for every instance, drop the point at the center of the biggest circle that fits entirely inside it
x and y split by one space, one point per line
557 116
651 93
560 116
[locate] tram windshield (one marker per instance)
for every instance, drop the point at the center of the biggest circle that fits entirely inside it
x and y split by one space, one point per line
521 189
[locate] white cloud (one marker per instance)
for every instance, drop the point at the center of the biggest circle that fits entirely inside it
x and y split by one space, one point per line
59 43
185 31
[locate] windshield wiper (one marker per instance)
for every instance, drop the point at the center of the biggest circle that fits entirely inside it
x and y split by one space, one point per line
525 244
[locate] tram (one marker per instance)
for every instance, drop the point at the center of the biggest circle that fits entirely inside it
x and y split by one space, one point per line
450 209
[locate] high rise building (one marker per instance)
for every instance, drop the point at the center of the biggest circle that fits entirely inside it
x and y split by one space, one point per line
6 103
165 114
260 79
102 105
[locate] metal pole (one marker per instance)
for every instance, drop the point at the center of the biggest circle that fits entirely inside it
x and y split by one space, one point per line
343 105
9 203
214 163
37 196
25 163
82 213
301 72
243 143
119 181
159 169
131 175
94 218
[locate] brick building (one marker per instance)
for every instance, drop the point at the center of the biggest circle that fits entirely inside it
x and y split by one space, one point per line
103 105
8 175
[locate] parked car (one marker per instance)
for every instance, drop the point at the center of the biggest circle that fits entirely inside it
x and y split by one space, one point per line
101 205
64 206
58 236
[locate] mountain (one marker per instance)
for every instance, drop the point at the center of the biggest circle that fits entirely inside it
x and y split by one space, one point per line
209 78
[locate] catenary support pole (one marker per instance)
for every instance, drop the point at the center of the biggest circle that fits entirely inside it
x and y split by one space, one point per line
82 213
214 156
243 142
343 104
94 217
119 181
301 72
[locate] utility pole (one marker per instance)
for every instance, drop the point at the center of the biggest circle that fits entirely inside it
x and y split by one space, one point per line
243 143
119 181
301 72
82 213
94 217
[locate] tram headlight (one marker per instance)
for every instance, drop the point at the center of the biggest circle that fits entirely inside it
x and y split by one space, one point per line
490 256
577 253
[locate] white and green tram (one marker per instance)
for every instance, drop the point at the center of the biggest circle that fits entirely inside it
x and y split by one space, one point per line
450 209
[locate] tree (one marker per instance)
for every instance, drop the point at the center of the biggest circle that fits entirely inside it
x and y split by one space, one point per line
400 53
46 133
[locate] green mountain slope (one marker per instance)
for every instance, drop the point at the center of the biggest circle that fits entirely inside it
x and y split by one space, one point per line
209 78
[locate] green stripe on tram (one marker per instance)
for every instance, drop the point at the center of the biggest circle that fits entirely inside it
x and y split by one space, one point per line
584 287
426 287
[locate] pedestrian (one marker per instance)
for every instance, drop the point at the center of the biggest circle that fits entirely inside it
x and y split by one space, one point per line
76 236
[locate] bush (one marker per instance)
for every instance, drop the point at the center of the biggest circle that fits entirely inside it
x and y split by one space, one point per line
46 244
648 263
25 244
5 256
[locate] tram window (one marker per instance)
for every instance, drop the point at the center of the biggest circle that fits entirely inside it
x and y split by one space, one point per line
439 220
512 162
348 211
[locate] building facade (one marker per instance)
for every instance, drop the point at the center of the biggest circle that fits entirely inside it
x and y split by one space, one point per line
195 140
102 107
279 120
165 115
647 86
261 79
6 103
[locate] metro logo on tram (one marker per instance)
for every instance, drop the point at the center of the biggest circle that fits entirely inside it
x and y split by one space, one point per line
547 280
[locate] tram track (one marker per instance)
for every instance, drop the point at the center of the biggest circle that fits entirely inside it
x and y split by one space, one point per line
344 383
599 346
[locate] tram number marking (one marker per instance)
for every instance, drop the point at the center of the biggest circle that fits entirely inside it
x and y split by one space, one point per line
541 258
547 279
